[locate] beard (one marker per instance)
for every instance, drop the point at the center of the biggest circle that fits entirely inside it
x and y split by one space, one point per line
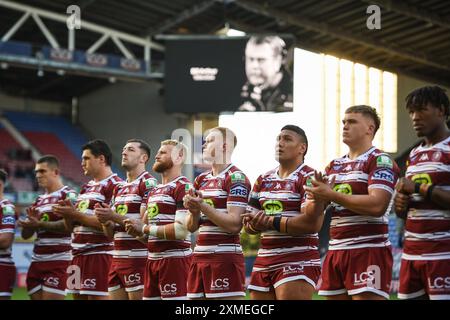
160 167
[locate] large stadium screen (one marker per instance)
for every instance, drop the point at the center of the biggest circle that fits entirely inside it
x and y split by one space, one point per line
215 74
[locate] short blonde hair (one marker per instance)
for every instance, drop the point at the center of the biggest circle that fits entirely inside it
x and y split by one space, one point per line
227 135
177 144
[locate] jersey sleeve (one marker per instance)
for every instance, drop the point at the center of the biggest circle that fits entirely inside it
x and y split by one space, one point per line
253 201
383 173
145 187
7 218
302 182
238 188
70 195
109 191
179 193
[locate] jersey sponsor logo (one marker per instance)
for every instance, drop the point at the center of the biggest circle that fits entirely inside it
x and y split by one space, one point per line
239 191
8 211
422 178
384 162
439 283
152 210
370 278
384 175
272 207
220 284
424 157
344 188
209 201
45 217
237 177
150 183
122 209
187 187
436 156
72 196
83 205
168 288
8 220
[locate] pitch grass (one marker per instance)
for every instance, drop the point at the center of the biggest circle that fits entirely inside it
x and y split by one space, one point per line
21 294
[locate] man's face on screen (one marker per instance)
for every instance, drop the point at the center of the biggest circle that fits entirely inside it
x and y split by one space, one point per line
261 64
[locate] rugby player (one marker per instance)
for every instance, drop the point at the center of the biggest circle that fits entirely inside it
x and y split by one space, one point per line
126 275
47 274
91 249
169 246
215 209
423 198
358 264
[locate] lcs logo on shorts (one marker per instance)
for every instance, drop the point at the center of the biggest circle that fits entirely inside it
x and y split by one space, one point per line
52 281
370 278
344 188
239 191
168 289
122 209
439 283
152 210
272 207
384 175
220 284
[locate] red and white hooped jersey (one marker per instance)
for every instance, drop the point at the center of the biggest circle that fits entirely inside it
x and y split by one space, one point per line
52 246
164 201
373 169
7 225
128 199
87 240
283 197
230 187
427 228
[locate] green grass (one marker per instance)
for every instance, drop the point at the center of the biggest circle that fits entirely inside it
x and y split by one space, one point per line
21 294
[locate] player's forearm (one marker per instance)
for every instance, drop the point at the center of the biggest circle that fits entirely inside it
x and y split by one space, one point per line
54 226
310 221
366 205
88 221
27 233
192 221
441 197
229 222
119 219
69 225
6 240
171 231
108 231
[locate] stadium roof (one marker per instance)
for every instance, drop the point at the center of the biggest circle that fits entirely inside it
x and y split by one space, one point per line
414 38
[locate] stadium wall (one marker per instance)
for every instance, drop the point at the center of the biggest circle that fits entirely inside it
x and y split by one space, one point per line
15 103
122 111
406 135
